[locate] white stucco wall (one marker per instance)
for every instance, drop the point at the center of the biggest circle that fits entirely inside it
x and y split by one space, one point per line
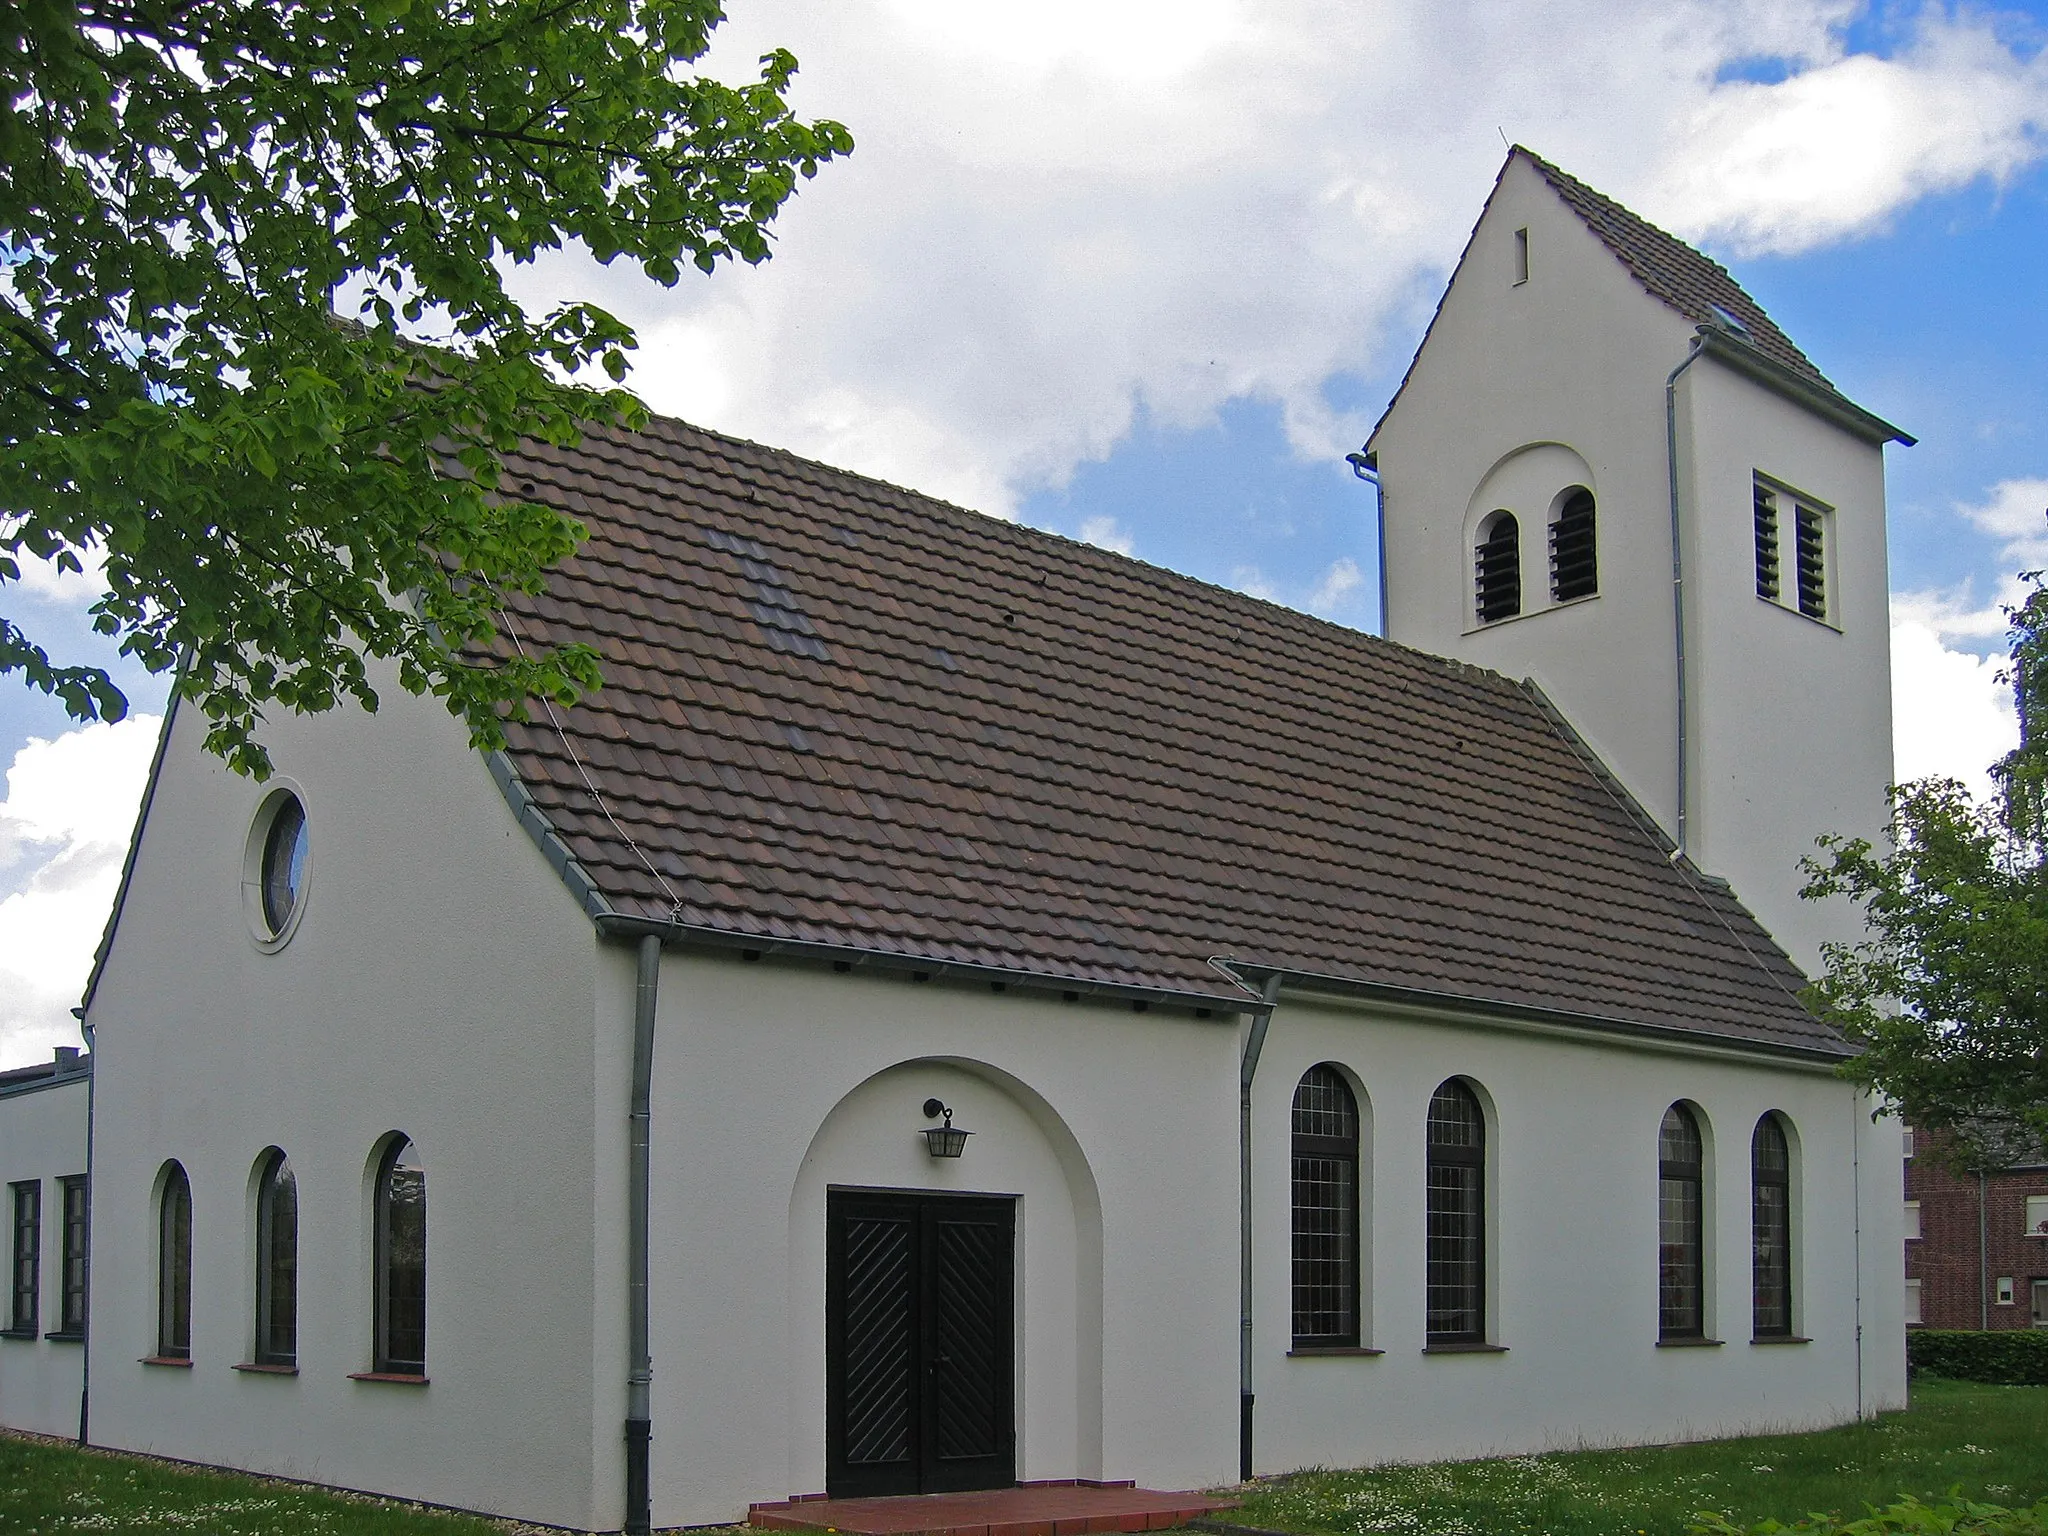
42 1137
776 1082
1572 1203
1516 388
1792 717
439 983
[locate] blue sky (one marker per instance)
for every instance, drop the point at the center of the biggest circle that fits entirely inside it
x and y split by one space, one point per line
1142 271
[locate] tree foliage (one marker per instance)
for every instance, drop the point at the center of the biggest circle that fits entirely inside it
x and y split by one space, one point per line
1948 995
271 495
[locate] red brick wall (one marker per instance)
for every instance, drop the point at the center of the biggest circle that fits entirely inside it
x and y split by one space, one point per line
1945 1258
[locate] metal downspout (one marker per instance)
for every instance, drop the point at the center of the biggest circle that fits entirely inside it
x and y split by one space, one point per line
85 1344
1363 467
639 1359
1856 1231
1678 585
1247 1068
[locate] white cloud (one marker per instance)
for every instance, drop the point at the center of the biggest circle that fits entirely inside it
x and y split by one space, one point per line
1333 594
1062 210
1950 714
1107 533
64 827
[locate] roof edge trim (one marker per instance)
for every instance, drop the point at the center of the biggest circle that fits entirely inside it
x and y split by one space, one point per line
156 767
530 816
618 925
82 1073
1528 1016
1829 404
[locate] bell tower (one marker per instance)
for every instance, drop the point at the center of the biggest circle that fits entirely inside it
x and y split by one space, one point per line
1609 472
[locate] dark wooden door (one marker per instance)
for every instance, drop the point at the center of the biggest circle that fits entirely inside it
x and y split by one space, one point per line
918 1342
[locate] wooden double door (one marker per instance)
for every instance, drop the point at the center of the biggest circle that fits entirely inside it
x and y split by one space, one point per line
919 1342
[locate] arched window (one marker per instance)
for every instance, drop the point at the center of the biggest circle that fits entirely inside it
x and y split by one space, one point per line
1325 1210
277 1263
174 1267
1455 1238
1770 1205
1681 1244
1497 568
401 1261
1574 556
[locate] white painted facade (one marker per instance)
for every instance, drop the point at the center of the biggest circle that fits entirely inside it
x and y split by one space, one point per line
42 1139
1526 387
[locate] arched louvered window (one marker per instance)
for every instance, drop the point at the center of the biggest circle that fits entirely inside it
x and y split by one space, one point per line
1770 1204
1574 556
1497 568
277 1262
1681 1237
1455 1206
401 1261
174 1267
1325 1210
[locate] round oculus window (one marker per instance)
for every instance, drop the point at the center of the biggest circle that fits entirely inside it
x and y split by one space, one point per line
274 868
284 863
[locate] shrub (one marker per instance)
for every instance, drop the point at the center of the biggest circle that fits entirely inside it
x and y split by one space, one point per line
2014 1358
1953 1516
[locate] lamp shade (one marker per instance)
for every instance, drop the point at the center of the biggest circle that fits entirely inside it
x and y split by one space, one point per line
943 1140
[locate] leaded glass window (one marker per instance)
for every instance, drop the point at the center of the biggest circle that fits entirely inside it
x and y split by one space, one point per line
1325 1209
402 1261
25 1274
174 1267
277 1264
72 1252
1455 1238
1681 1299
1770 1183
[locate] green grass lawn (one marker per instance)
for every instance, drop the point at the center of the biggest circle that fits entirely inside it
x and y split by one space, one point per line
1992 1442
50 1489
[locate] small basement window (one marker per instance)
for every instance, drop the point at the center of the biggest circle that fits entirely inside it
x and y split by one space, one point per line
1497 568
1913 1302
2003 1292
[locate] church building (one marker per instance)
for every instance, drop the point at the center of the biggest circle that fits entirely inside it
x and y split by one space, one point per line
960 1007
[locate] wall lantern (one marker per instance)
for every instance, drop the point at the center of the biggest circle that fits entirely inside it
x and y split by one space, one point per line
943 1140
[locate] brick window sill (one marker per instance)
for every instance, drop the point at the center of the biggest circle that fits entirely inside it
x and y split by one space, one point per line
1464 1349
259 1368
1340 1351
1788 1338
1689 1343
179 1362
395 1378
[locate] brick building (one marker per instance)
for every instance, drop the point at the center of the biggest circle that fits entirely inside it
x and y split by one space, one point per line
1976 1245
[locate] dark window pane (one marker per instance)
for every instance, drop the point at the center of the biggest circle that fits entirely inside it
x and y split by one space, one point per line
1455 1217
26 1269
174 1268
277 1259
1574 558
1497 569
402 1262
1681 1245
284 863
1325 1179
1770 1230
71 1315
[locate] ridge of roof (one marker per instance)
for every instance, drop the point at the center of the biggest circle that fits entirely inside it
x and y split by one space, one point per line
839 714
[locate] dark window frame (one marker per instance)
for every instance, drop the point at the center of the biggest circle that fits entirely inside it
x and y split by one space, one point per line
1770 1273
281 874
1497 568
1575 547
401 1288
277 1267
1326 1205
74 1211
174 1266
1455 1168
1681 1226
25 1248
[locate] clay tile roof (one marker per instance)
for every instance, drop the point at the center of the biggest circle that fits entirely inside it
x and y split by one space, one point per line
840 713
1673 271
